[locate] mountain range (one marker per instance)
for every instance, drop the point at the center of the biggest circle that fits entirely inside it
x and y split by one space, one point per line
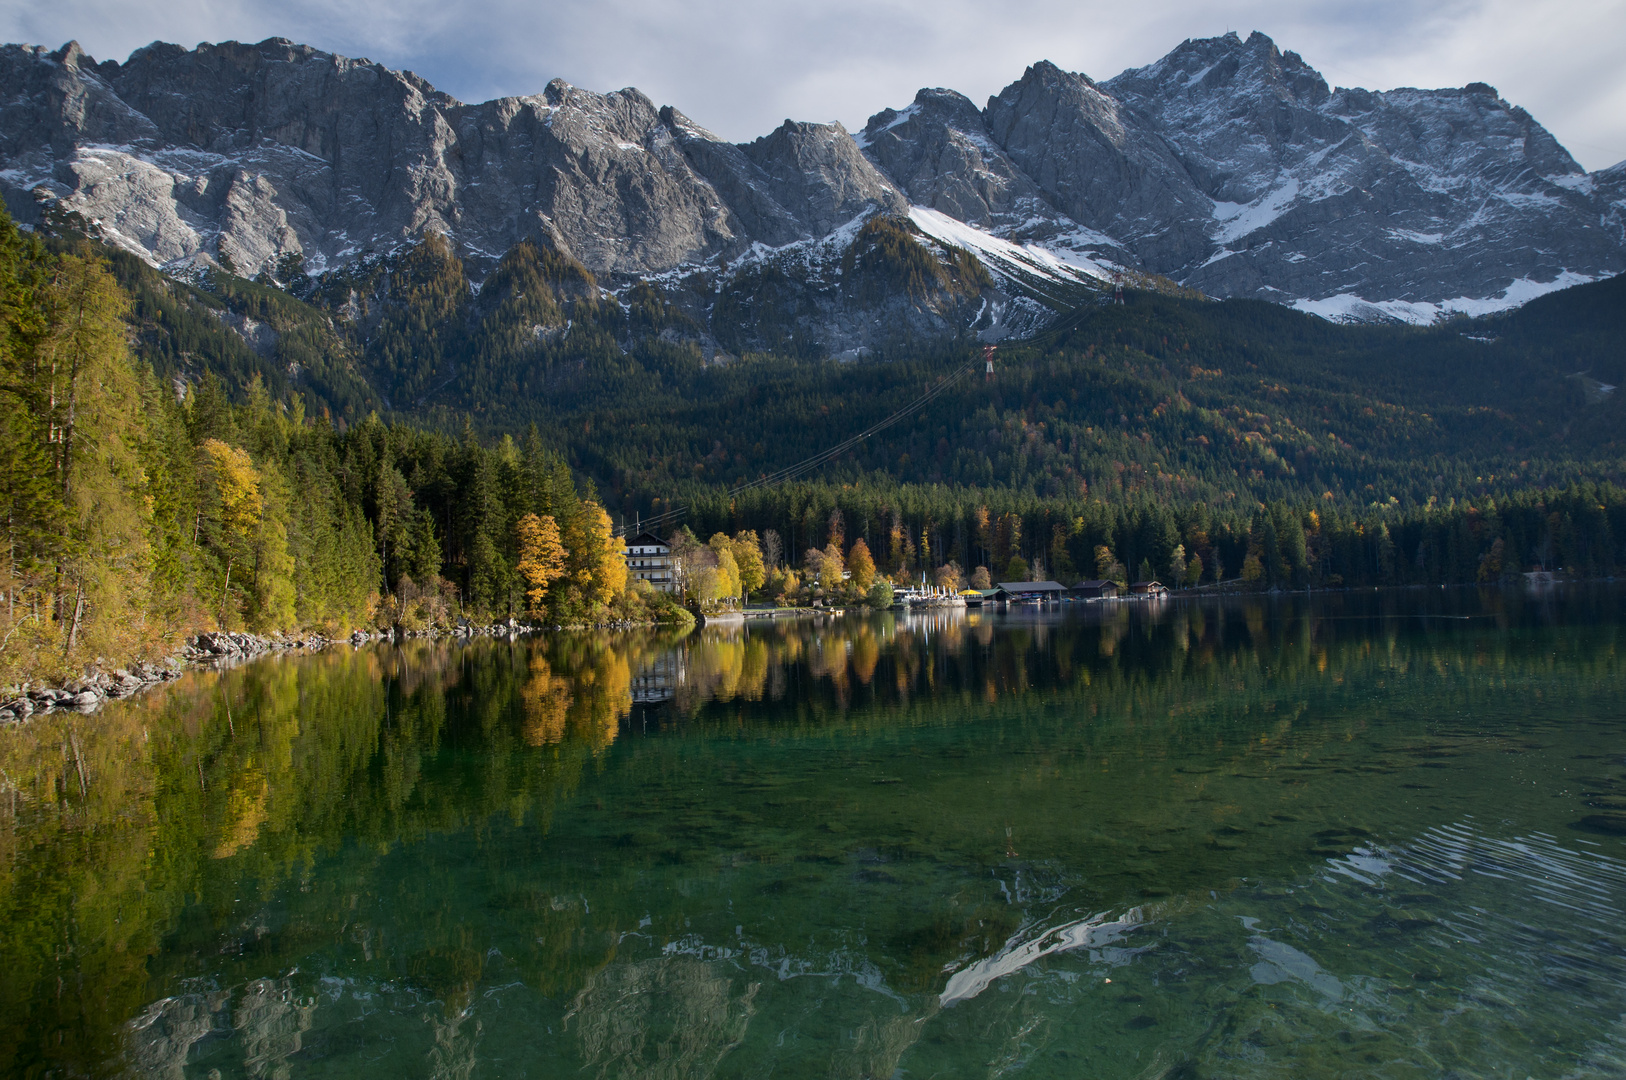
1228 167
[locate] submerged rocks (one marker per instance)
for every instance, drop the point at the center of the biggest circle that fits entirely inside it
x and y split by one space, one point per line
216 649
88 693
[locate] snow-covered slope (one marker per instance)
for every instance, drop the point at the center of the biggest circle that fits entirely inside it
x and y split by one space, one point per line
1452 198
1235 169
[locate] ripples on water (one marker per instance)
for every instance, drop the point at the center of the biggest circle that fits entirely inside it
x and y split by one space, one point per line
1377 835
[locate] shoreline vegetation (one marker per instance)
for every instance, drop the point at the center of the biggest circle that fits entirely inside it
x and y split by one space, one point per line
138 511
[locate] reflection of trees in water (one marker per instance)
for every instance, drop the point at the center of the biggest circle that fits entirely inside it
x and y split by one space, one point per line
111 824
582 684
1124 658
546 699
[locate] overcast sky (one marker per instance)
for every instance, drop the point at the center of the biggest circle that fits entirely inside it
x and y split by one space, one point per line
740 67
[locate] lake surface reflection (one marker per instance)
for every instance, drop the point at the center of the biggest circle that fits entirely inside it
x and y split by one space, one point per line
1360 834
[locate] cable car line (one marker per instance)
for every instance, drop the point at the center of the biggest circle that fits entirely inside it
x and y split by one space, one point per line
807 465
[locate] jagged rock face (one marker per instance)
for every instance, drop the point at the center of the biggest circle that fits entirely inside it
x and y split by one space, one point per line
1233 168
1609 186
259 151
818 170
939 152
1097 165
738 180
1227 165
860 287
1442 193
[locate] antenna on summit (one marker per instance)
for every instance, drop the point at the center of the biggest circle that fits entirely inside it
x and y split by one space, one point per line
988 362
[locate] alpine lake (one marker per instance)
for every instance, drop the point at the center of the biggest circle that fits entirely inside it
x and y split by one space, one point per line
1373 834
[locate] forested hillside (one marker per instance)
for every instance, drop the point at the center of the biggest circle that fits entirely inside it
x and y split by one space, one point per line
1164 396
395 447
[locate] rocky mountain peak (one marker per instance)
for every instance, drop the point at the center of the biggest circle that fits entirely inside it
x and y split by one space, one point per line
934 104
1098 165
820 169
1226 68
939 152
1228 165
73 57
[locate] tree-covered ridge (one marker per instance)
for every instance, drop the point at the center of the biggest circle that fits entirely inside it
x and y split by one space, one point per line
1238 402
1163 395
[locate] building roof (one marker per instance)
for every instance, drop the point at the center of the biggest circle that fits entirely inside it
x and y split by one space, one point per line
1147 585
1032 586
645 539
1095 585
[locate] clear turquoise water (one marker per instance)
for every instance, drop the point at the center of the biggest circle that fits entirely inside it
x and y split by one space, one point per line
1360 835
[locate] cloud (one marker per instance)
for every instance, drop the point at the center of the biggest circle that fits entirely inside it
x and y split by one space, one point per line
742 66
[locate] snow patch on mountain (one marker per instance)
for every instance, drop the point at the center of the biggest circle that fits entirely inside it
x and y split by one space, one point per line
1417 237
1237 220
1348 308
1003 258
903 116
818 255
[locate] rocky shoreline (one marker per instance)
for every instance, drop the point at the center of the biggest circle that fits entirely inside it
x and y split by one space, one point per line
219 649
89 693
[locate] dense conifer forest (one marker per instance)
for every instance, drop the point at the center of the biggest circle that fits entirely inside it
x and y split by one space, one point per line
394 446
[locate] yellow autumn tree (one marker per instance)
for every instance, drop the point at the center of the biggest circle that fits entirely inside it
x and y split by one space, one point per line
609 564
272 598
832 569
234 511
80 447
728 565
862 564
541 559
748 556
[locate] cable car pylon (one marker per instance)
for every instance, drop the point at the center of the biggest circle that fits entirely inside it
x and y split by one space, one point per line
988 362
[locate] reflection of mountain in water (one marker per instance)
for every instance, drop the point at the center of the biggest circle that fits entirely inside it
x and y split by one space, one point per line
668 1018
268 1018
